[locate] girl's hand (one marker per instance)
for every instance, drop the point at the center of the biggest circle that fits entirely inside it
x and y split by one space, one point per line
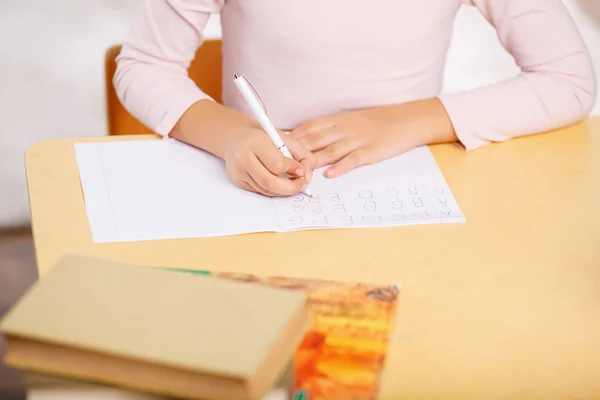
252 160
255 164
368 136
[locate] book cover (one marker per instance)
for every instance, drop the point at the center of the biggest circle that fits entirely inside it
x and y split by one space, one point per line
138 327
343 355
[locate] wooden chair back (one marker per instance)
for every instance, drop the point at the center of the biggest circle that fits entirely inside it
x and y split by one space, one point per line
205 71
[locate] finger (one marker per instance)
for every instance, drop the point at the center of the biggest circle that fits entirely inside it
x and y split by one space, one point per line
299 152
255 187
306 158
309 171
242 184
319 140
346 164
269 182
277 163
313 126
335 152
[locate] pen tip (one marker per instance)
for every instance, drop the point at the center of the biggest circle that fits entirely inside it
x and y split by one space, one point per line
235 76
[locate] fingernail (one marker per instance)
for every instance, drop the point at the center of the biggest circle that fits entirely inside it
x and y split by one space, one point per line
299 172
329 172
303 188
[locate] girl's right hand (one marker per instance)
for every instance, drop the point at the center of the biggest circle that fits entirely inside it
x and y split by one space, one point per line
255 164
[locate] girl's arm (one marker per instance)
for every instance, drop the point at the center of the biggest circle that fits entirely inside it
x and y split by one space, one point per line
151 79
152 83
557 85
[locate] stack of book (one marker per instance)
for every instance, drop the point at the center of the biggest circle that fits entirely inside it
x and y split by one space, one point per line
97 330
103 327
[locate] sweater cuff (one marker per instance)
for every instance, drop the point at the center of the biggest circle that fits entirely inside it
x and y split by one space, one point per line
459 111
179 105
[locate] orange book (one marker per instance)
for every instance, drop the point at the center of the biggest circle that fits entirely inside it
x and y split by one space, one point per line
343 355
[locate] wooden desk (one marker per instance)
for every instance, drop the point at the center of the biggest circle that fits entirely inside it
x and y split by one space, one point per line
506 305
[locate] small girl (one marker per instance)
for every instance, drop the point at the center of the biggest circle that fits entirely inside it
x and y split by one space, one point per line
353 82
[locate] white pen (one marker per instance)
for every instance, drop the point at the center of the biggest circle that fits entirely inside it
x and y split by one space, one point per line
260 114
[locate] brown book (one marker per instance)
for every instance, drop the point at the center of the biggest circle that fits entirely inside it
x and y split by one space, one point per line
46 387
155 331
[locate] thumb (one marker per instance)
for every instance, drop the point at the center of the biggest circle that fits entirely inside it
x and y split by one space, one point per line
293 167
308 160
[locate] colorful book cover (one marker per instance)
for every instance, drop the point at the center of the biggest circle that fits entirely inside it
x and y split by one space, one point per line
343 355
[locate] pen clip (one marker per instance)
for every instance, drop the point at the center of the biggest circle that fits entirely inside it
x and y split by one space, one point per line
262 103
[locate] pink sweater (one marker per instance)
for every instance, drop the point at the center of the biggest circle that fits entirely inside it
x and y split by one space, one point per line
311 58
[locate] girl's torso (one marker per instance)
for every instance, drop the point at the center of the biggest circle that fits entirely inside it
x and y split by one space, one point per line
309 58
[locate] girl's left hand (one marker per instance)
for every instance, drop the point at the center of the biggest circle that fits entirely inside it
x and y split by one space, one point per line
351 139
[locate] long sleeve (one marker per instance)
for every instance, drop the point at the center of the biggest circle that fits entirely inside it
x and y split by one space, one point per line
152 80
556 86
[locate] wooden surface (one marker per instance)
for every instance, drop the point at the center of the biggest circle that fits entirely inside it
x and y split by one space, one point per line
504 306
205 71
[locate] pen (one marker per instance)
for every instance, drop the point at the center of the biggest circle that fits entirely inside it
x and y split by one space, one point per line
257 109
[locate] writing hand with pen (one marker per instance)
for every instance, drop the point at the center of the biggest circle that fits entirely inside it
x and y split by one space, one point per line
281 155
255 164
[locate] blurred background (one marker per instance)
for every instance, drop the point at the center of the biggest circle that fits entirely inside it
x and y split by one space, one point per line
52 86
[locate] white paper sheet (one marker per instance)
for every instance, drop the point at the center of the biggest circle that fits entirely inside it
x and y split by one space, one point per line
150 190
